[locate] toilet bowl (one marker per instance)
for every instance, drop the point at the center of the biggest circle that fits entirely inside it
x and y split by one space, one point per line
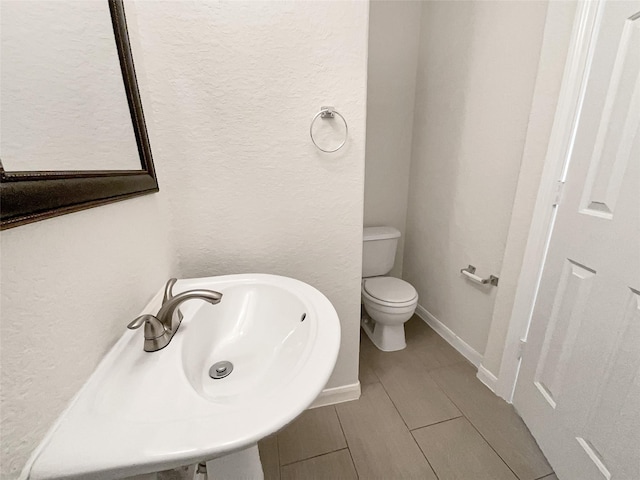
390 302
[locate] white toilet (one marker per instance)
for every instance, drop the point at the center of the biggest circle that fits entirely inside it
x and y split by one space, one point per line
389 301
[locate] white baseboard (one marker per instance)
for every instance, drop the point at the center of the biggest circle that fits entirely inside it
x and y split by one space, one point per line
331 396
488 378
446 333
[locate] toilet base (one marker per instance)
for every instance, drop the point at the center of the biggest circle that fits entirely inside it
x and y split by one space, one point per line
388 338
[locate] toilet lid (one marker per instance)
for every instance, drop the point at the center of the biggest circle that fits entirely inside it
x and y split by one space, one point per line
390 289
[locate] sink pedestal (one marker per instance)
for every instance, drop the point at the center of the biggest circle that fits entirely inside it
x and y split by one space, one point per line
244 464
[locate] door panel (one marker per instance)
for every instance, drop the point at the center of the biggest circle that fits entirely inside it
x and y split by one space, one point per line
564 325
579 385
617 127
614 423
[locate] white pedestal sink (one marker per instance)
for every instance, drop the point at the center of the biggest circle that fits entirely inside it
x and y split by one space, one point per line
143 412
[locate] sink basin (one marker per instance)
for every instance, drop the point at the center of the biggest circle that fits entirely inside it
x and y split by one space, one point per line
142 412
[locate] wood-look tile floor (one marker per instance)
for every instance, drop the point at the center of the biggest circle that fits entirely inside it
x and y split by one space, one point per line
423 414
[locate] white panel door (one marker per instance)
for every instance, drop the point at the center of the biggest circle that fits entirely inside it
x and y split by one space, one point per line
579 385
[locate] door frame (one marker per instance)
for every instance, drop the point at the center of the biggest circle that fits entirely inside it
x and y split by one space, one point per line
574 81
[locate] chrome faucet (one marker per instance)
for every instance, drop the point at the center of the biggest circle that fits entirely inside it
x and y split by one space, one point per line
159 329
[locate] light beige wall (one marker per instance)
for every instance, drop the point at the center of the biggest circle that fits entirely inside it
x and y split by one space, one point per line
476 74
234 87
229 90
70 285
553 56
394 34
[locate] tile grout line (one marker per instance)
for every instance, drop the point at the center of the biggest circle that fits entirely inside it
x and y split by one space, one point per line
394 405
278 450
424 455
426 371
438 423
491 446
407 427
279 459
422 426
315 456
320 454
346 440
448 393
476 429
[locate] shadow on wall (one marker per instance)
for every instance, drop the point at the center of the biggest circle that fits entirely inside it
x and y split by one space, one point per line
434 219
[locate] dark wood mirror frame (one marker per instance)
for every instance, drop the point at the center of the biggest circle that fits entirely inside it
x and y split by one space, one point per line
31 196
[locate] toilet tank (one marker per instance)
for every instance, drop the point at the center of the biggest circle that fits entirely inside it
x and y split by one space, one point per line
378 250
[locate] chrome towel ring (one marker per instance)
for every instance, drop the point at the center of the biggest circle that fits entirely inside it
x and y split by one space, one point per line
329 112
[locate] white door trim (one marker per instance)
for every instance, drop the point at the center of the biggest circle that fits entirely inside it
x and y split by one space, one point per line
585 30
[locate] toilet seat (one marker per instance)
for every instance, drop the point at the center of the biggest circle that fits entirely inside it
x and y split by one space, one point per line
389 291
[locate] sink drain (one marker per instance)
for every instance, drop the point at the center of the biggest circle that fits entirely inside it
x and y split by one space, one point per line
220 369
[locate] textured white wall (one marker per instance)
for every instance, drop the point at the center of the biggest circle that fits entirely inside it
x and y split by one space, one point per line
70 285
233 88
394 35
550 70
60 107
476 74
229 90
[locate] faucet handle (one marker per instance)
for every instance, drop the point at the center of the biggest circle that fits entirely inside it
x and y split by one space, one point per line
168 294
153 328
